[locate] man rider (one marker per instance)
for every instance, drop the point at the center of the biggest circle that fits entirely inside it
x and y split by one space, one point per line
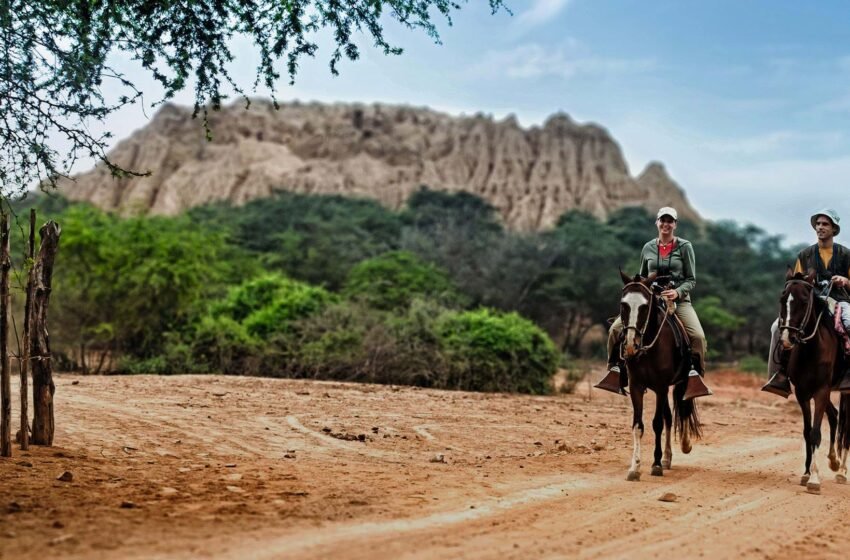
831 261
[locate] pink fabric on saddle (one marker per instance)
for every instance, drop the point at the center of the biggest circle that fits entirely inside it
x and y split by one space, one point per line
839 328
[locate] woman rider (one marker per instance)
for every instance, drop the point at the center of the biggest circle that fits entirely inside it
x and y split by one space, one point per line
665 255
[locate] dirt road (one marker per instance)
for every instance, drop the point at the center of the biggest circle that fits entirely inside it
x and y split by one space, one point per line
231 467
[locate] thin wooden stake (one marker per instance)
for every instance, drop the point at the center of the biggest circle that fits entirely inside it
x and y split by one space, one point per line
41 365
5 374
27 345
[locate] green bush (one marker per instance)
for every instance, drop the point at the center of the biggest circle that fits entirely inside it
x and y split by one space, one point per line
393 280
269 304
352 342
753 364
490 351
222 344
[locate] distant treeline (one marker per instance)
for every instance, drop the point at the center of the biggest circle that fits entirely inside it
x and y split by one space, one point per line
438 294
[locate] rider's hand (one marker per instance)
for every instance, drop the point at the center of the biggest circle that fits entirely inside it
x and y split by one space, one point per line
671 295
840 282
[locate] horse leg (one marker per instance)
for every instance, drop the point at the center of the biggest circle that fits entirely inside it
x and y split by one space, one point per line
821 398
637 431
667 461
806 408
843 437
658 427
832 418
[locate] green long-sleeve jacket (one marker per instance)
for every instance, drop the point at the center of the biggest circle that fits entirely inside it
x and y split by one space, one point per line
681 263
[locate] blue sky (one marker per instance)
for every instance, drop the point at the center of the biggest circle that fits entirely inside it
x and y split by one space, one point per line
747 103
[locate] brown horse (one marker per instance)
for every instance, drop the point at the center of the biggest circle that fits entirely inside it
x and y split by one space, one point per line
813 351
653 362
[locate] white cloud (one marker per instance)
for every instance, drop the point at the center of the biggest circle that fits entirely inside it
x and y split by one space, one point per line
541 11
774 142
566 61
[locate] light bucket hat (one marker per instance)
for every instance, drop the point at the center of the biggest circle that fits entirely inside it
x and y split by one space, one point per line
668 211
829 213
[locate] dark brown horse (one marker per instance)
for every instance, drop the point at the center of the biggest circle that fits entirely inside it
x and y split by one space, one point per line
654 362
814 358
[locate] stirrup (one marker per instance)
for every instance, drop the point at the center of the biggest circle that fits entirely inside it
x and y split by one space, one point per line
611 381
696 386
779 389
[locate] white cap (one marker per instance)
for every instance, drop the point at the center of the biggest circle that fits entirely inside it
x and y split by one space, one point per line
668 211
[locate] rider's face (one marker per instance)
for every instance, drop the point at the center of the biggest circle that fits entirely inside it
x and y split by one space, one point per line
666 225
824 228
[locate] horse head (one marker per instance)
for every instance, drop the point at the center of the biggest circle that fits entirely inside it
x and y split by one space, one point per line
636 304
795 306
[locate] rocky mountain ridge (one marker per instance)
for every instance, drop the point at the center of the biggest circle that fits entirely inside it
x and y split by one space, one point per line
385 152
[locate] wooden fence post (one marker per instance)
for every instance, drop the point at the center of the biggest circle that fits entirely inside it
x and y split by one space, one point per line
5 373
24 362
40 358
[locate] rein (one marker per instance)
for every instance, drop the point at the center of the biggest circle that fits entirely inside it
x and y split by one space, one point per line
641 332
808 315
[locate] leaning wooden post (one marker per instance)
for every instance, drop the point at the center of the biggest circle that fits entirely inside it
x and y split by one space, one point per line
25 351
5 373
41 364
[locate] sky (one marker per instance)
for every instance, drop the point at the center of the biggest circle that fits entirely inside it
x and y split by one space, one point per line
747 103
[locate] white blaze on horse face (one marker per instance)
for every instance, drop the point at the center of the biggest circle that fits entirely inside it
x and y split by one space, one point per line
786 337
634 300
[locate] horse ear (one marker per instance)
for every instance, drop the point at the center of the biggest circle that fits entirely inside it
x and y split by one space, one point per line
789 274
650 279
626 279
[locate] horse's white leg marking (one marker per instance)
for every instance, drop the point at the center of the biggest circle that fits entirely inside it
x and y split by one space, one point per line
634 469
786 337
813 485
841 477
667 459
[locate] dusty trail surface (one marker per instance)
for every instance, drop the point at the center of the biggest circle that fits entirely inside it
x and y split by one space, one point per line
234 467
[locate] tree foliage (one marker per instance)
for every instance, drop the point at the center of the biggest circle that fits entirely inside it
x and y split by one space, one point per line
127 282
58 64
393 280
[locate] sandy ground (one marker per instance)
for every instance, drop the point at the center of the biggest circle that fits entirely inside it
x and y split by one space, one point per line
234 467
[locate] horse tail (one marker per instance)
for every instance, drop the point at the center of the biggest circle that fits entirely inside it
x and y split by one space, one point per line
844 422
685 413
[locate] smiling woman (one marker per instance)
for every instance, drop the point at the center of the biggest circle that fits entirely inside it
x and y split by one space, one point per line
670 257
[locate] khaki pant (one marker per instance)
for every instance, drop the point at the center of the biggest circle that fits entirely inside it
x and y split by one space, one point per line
685 312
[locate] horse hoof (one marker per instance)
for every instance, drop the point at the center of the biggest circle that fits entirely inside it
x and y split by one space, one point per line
813 487
834 465
667 464
657 470
840 479
633 476
804 480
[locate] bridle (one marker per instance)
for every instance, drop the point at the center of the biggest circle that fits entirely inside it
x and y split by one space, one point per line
798 331
638 331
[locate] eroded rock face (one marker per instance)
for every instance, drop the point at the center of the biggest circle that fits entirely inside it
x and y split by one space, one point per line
531 176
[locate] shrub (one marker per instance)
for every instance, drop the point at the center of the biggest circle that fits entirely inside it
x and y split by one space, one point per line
753 364
269 304
490 351
349 341
393 280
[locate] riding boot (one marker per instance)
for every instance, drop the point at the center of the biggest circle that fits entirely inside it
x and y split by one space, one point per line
779 384
696 386
616 380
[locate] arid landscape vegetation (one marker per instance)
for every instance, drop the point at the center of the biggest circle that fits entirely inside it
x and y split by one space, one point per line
362 319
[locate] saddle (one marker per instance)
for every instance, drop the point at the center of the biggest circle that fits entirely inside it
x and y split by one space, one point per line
683 342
